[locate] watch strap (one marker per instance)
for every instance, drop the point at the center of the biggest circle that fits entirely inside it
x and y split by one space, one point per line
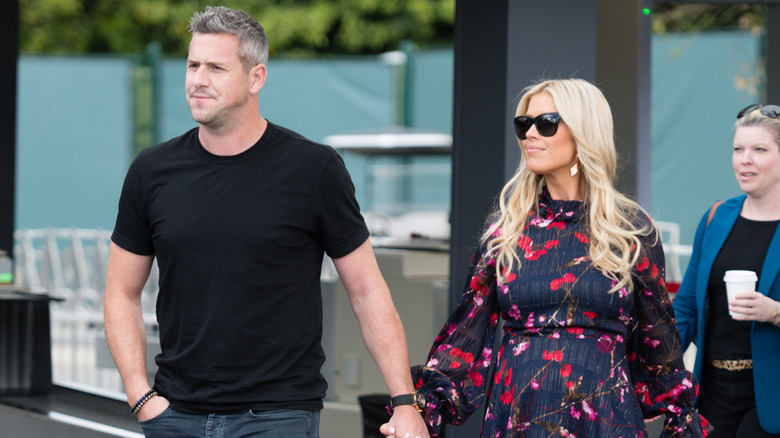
405 399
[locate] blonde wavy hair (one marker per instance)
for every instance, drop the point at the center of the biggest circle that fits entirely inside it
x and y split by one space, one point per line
611 217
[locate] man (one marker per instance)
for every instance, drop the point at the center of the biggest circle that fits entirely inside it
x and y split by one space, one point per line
238 213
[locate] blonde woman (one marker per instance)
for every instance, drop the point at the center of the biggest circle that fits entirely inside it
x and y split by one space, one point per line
737 356
575 271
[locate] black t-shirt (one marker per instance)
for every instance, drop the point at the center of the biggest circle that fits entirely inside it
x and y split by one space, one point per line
745 249
239 242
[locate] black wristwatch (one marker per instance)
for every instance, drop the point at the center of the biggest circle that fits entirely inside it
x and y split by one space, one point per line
405 399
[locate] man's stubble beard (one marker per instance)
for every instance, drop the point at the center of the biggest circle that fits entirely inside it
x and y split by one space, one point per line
220 117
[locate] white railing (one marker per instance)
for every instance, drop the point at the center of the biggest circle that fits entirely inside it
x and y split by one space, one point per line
70 265
673 250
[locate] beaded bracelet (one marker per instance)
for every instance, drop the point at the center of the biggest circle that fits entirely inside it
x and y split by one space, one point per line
141 401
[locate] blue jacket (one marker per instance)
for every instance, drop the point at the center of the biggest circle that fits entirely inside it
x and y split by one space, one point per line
764 337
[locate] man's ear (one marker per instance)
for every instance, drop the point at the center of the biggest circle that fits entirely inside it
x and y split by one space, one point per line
257 77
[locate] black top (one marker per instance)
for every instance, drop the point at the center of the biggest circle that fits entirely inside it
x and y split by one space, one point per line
745 249
239 242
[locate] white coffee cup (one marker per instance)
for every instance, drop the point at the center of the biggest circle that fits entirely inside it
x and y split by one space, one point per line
739 281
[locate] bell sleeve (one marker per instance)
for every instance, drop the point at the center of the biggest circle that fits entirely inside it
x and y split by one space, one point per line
662 384
453 383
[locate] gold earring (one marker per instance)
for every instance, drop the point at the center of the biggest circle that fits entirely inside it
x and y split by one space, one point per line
573 170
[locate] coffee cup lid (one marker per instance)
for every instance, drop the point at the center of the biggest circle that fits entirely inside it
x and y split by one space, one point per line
739 275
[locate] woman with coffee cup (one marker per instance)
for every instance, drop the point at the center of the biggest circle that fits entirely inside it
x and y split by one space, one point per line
738 241
575 270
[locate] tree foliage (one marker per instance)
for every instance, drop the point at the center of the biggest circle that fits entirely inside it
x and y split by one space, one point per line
702 17
297 27
294 27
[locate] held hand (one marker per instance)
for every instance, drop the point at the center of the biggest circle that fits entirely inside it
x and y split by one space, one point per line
154 407
753 306
405 423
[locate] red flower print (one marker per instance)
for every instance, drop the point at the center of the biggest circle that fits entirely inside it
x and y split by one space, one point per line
589 314
508 278
575 330
534 255
506 398
654 271
705 425
476 283
673 393
558 282
551 244
566 370
525 243
643 393
583 238
497 376
467 357
558 225
477 378
644 264
556 355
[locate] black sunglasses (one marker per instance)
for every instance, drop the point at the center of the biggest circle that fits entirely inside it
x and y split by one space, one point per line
546 124
767 110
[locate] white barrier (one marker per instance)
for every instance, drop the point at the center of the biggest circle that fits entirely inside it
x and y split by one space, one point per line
673 250
71 264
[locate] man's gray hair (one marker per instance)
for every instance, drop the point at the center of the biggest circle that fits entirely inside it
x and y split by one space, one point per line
252 42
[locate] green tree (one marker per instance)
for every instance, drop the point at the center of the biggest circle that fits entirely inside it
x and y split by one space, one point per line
294 27
703 17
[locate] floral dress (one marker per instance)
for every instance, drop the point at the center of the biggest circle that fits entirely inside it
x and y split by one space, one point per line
574 360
